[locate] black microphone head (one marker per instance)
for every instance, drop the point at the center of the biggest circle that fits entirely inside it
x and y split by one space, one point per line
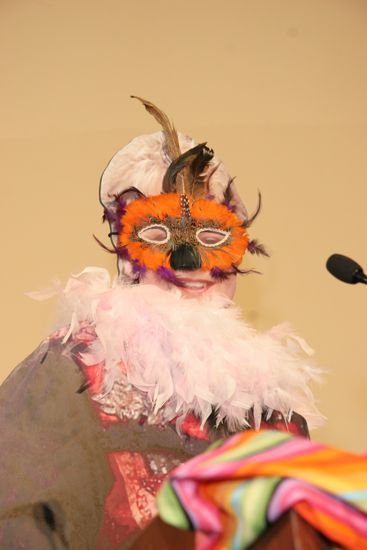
344 269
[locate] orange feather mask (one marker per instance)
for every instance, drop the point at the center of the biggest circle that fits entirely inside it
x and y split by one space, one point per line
183 228
179 232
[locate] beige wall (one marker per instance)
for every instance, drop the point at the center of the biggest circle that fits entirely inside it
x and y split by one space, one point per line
278 88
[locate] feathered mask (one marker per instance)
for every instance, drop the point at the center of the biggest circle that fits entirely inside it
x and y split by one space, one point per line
183 228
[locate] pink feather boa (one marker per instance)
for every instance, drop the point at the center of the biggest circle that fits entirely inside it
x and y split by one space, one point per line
190 354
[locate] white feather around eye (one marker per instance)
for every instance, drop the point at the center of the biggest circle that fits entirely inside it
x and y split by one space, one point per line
155 233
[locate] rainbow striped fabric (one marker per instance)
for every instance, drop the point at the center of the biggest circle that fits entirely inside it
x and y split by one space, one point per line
230 494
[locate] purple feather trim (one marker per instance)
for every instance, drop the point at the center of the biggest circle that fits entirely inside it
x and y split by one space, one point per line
219 274
138 268
107 216
231 207
254 247
114 215
168 275
119 212
123 252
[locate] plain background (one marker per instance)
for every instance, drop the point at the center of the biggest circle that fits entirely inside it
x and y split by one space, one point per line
277 88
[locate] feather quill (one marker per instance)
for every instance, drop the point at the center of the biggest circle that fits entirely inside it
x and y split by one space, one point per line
170 133
252 218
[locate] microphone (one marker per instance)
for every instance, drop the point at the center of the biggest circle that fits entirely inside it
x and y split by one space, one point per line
345 269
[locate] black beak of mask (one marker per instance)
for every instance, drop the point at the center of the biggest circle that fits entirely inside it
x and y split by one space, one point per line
185 257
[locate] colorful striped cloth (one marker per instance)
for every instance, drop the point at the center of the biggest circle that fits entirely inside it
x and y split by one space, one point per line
230 494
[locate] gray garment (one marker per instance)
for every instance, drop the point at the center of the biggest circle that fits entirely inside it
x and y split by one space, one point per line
54 474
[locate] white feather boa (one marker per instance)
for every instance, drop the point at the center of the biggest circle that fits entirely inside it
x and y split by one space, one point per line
190 354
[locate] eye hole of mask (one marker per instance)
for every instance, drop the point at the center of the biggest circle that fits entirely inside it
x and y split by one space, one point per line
155 234
212 237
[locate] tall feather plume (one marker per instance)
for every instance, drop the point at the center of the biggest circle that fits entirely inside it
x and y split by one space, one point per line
186 173
170 133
